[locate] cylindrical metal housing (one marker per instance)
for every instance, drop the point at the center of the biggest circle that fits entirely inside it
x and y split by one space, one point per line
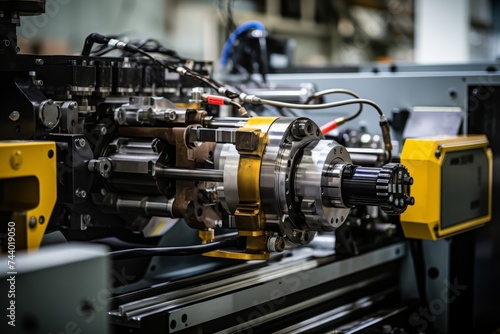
131 164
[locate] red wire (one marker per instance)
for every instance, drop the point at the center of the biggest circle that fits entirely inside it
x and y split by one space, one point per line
328 127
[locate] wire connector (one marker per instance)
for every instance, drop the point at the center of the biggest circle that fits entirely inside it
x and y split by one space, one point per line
250 98
216 99
181 70
386 136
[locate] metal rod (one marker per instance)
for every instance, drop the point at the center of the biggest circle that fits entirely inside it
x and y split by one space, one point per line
215 175
227 122
147 207
369 157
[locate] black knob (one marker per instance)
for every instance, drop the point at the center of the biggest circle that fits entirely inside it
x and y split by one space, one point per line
387 187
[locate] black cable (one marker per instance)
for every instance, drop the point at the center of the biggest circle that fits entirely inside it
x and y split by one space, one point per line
186 71
90 40
264 67
384 123
338 91
102 51
143 42
129 47
172 251
257 100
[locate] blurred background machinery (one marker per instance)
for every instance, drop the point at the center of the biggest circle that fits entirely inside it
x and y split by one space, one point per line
356 220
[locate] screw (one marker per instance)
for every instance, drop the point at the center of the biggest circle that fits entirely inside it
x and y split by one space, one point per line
32 222
104 130
79 192
103 191
14 116
87 218
5 43
172 116
453 93
80 142
38 83
16 159
41 220
73 105
39 61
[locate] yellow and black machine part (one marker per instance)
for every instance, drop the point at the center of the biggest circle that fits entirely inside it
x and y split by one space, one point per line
452 190
28 188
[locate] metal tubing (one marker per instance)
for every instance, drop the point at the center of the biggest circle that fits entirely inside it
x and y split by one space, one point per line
215 175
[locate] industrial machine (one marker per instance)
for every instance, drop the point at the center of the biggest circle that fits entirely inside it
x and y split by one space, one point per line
257 221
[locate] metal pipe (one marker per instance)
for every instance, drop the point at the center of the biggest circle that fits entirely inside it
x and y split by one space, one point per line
145 206
215 175
227 122
133 204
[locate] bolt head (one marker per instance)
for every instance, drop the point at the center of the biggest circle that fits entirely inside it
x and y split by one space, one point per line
16 159
14 116
80 193
80 142
32 222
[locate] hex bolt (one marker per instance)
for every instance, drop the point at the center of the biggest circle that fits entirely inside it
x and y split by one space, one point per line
14 116
32 222
38 83
73 105
302 128
104 130
172 115
276 244
80 193
80 142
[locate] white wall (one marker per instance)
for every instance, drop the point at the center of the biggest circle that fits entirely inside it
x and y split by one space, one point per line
441 31
73 20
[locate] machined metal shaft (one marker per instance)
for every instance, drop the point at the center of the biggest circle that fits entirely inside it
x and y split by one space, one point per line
215 175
